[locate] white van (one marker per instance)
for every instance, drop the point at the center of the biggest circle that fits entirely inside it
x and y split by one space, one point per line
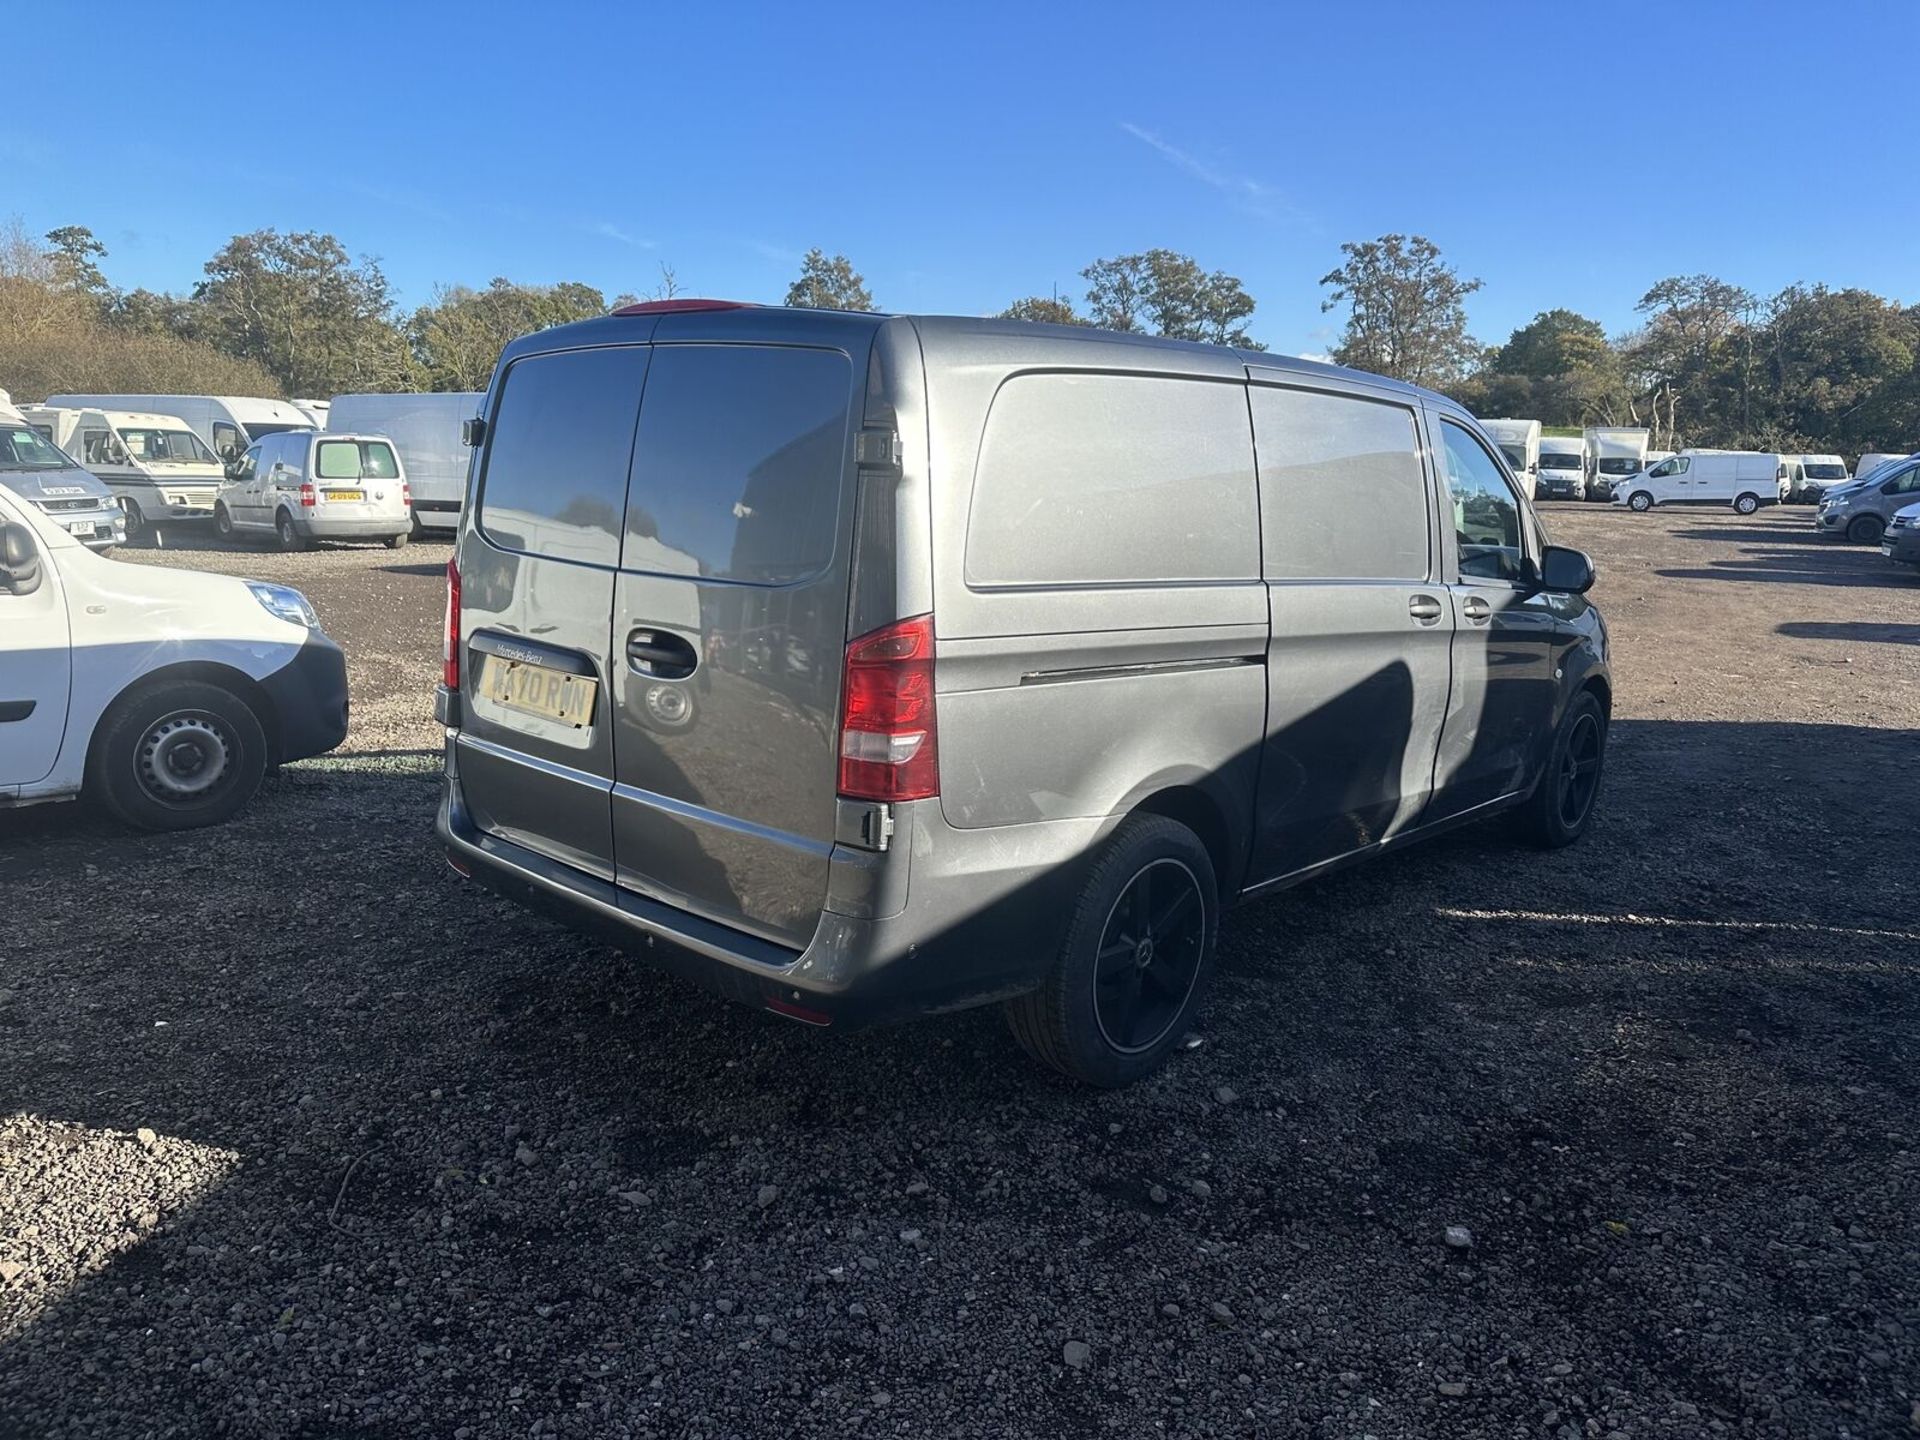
306 485
425 429
160 469
228 423
314 410
1873 460
1613 453
1563 467
1743 479
1519 442
163 694
1814 475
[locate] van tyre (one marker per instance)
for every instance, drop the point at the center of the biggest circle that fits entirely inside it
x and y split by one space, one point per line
1562 803
177 755
1745 504
289 534
1640 501
222 522
1133 969
136 521
1865 529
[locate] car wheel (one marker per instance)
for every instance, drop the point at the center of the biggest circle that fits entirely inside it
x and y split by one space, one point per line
1640 501
1745 504
222 522
289 533
1562 803
1865 529
1133 969
178 755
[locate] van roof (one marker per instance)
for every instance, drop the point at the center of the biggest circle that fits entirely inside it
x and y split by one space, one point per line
693 320
140 419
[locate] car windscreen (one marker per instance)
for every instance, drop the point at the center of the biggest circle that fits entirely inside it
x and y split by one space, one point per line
25 449
260 428
166 447
356 460
1618 465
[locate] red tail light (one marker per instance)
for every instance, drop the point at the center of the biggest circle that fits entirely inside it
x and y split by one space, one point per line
406 494
307 498
889 749
450 649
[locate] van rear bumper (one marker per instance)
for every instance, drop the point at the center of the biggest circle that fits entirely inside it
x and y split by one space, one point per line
986 914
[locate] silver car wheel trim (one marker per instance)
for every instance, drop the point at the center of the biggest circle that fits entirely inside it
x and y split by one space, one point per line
183 757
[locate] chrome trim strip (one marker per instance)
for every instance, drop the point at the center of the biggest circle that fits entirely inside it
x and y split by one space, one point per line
820 849
534 762
1150 667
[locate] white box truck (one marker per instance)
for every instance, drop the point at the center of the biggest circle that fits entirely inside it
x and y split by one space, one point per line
228 423
1563 467
1744 479
1519 441
425 429
1613 453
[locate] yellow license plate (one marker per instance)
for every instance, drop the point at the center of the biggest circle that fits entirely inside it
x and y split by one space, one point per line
540 690
346 494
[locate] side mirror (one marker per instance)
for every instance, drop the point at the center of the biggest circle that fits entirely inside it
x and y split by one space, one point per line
1566 571
19 560
473 432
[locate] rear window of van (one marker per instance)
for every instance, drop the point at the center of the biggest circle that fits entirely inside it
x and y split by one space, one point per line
555 476
355 460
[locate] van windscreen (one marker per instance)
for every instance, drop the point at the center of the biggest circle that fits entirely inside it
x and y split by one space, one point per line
1558 460
166 447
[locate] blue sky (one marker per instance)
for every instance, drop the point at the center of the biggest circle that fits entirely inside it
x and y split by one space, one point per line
965 155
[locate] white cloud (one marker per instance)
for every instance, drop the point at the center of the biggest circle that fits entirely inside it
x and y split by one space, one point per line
1255 197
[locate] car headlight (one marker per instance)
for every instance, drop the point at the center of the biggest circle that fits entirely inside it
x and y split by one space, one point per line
285 602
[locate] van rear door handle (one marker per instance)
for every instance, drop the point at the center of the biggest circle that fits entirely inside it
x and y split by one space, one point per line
661 653
1476 609
1425 609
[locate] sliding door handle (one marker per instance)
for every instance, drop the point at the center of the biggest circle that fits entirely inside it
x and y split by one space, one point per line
1476 609
1425 609
662 654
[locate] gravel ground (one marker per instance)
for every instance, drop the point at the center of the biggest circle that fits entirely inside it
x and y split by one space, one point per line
302 1136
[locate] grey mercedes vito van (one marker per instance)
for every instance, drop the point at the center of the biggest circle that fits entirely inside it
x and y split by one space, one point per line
863 666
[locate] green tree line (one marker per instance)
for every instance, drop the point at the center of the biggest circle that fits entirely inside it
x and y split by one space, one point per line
1708 363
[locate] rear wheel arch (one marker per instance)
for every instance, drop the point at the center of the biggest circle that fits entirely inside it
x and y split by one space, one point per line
1191 806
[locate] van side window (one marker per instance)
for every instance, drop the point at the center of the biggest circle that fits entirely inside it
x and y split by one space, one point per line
226 440
555 477
738 464
1905 484
1097 479
1343 495
249 465
1486 514
93 447
1677 465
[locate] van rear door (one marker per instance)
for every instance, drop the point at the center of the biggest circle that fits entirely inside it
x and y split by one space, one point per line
730 618
537 560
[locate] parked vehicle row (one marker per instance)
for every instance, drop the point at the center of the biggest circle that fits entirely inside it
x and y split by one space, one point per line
1863 509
